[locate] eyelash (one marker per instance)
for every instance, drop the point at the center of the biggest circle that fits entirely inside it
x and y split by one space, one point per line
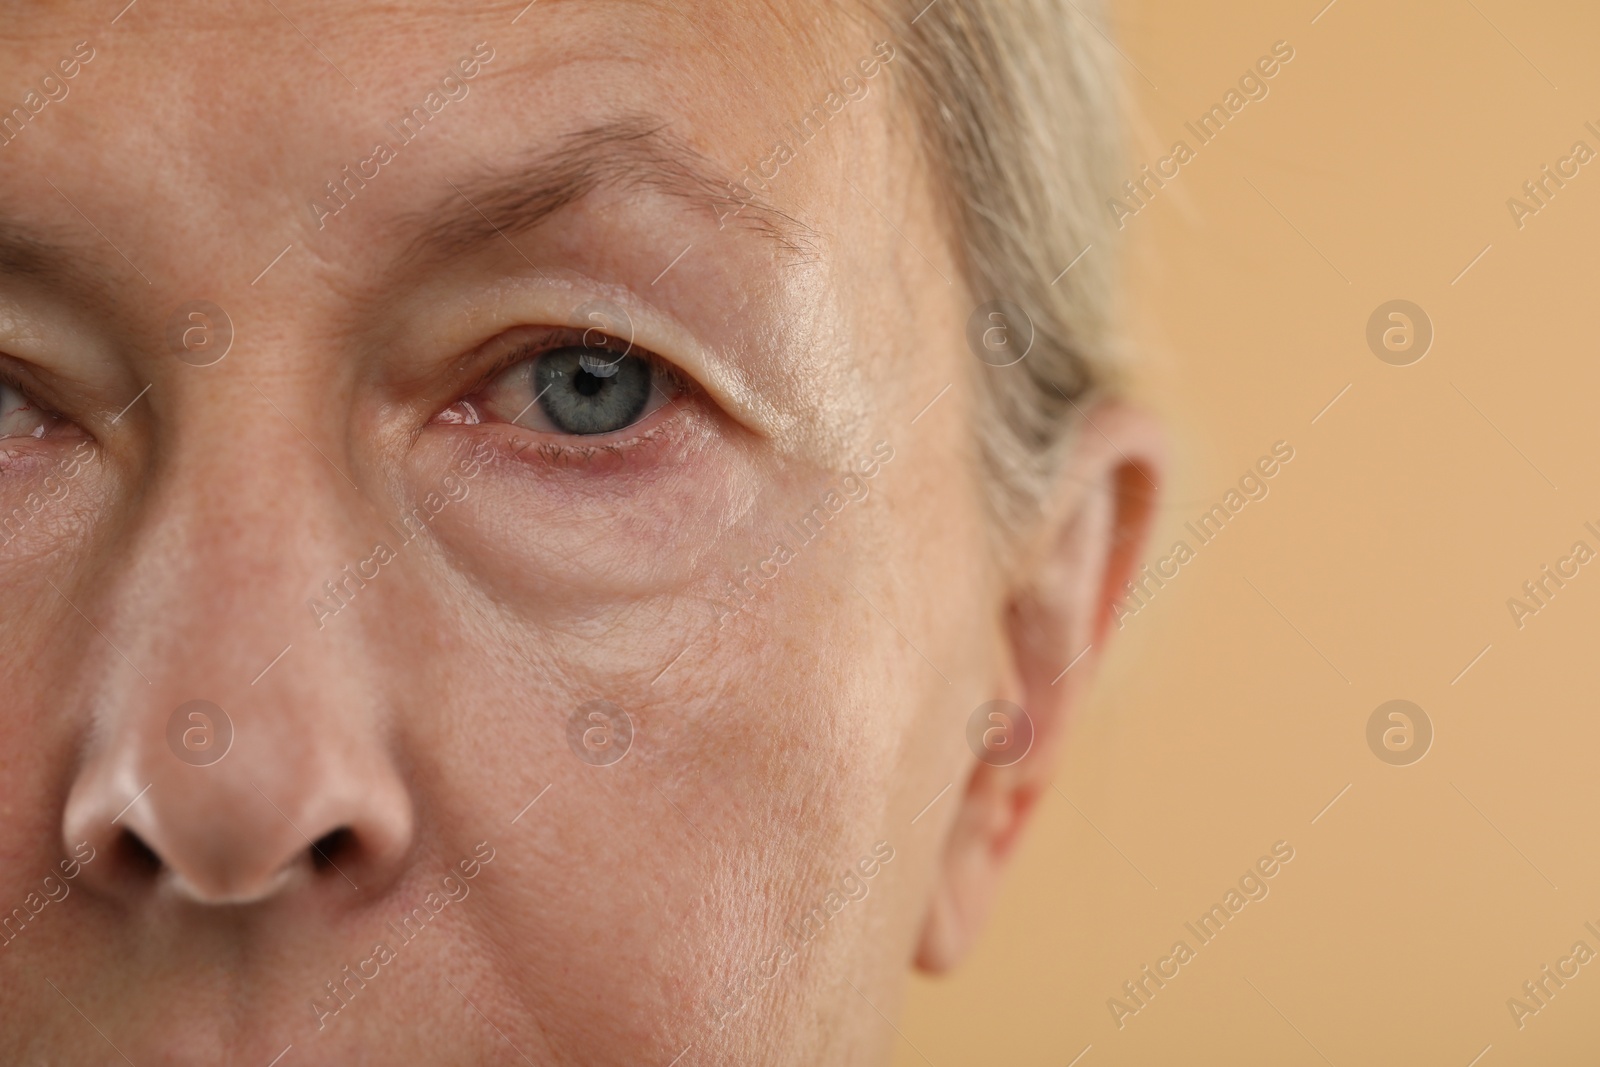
10 378
614 456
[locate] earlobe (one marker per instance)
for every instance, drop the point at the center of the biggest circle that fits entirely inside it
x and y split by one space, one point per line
1056 615
993 809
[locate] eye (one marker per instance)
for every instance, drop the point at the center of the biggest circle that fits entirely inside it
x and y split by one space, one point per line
22 416
571 384
583 391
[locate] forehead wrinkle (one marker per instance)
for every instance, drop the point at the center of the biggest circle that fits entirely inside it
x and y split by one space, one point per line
635 151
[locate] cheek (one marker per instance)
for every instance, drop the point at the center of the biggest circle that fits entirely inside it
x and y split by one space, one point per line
42 663
759 759
735 802
757 767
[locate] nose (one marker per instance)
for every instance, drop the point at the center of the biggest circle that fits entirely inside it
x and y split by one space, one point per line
198 779
286 806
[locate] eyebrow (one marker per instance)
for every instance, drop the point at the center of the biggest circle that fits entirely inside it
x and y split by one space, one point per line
635 152
40 256
631 152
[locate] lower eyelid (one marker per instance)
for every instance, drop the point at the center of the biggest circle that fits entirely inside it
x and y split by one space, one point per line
662 430
28 455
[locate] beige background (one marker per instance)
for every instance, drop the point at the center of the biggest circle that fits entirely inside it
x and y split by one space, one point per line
1414 508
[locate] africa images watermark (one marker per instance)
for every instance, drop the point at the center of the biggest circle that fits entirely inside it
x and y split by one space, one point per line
353 578
52 889
55 485
53 89
354 978
1538 191
1153 577
1252 86
850 89
452 87
852 489
852 886
1540 990
1538 591
1252 886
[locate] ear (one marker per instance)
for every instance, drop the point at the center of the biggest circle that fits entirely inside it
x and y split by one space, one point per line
1068 576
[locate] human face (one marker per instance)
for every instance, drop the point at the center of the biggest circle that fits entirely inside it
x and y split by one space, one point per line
501 402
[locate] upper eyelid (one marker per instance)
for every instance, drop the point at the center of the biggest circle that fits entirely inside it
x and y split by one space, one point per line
49 390
521 353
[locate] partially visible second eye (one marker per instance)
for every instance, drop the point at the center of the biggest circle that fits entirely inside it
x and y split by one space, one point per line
21 415
573 389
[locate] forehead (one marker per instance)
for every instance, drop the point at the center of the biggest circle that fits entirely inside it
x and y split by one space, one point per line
209 119
184 73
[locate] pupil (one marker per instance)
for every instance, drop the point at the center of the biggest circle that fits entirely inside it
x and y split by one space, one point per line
587 384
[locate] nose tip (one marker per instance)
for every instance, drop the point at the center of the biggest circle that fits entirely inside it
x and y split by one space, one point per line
247 826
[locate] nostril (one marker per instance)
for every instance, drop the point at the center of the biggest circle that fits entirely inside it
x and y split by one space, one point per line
334 849
131 852
165 830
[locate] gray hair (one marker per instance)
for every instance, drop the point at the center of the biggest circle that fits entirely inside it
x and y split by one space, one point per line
1019 120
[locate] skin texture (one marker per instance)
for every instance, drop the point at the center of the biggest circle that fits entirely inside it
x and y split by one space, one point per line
192 517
